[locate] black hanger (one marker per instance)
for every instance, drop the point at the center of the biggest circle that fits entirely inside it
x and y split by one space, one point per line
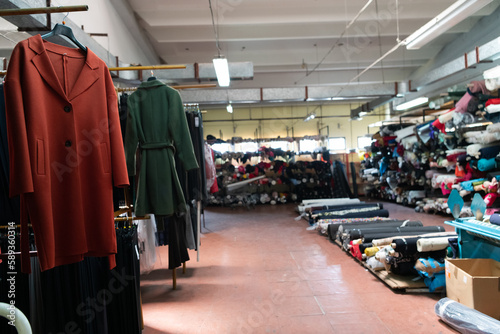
64 30
152 77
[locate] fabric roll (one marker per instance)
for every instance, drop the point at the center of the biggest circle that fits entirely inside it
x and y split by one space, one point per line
485 165
364 246
356 233
489 152
402 265
432 244
374 264
468 185
405 245
388 241
495 127
371 251
370 237
354 214
465 319
383 224
356 252
495 219
334 208
405 132
334 224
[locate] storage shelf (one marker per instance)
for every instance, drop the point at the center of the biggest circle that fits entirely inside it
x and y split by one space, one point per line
471 225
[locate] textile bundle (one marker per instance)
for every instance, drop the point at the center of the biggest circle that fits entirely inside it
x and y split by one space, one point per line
465 319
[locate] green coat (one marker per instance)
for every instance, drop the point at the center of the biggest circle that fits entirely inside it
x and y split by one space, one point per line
157 126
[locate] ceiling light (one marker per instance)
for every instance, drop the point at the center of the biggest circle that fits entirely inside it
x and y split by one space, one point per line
413 103
451 16
229 108
222 71
310 117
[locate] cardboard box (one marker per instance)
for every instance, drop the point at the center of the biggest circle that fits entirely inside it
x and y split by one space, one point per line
475 283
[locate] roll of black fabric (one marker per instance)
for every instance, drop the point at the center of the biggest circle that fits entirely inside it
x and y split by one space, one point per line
406 245
354 214
357 233
367 228
364 246
406 232
332 208
402 265
409 245
333 228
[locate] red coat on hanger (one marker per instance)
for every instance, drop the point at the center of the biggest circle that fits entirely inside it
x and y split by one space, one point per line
65 149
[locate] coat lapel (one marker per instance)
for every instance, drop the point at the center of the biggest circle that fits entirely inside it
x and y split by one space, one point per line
43 65
87 77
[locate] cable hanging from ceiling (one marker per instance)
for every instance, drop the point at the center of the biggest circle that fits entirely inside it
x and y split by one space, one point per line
337 42
220 62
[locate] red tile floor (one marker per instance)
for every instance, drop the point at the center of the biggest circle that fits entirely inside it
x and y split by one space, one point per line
260 271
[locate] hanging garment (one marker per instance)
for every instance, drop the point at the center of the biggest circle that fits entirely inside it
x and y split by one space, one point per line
65 149
9 207
210 171
157 124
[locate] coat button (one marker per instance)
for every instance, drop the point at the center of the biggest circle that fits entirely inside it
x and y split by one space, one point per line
67 108
67 143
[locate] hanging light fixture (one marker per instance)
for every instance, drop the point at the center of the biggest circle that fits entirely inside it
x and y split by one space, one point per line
451 16
310 117
229 108
220 62
222 71
413 103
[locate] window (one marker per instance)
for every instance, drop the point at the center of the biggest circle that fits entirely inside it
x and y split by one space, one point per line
363 142
244 147
336 143
308 145
279 144
222 147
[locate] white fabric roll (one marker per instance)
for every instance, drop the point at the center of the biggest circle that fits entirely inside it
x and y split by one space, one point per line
403 133
432 244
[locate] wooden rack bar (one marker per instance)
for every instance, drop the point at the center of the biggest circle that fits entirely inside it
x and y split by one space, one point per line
127 219
43 10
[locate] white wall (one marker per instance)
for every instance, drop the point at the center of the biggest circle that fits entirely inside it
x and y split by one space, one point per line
103 17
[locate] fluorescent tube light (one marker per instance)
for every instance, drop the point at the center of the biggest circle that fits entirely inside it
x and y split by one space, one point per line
310 117
222 71
451 16
413 103
229 108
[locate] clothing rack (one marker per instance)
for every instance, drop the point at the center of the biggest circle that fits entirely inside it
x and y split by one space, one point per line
136 68
43 10
128 209
5 227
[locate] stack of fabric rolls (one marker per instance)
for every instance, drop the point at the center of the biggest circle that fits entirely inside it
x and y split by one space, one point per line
357 210
422 255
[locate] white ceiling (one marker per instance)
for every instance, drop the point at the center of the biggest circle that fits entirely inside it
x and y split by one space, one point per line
287 38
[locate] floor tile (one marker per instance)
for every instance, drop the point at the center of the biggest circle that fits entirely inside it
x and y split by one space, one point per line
260 272
340 303
297 306
311 324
